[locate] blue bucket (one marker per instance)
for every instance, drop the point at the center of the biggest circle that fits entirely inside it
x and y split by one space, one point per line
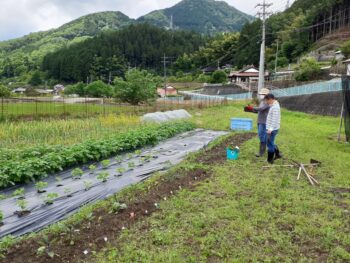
232 154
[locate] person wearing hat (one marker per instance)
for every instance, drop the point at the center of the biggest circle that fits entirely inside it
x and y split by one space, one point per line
262 112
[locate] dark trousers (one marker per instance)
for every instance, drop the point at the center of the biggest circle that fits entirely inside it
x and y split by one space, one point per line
271 138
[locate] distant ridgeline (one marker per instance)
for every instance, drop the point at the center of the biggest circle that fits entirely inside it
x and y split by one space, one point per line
112 52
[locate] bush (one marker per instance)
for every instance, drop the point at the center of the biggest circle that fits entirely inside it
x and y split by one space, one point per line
78 89
98 89
138 86
345 49
309 70
219 76
4 92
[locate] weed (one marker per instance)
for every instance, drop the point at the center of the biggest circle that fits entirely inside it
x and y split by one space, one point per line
67 192
92 168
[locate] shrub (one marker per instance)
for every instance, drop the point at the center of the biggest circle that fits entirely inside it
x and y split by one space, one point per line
138 87
219 76
4 92
98 89
78 89
308 70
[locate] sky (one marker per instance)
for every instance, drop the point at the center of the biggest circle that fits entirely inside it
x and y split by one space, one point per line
20 17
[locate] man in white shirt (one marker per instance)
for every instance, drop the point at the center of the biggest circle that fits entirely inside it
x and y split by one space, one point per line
273 125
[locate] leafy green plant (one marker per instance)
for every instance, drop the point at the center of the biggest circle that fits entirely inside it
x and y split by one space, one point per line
22 204
131 165
105 163
19 193
40 186
36 163
92 168
58 181
87 185
103 176
138 152
116 207
68 192
130 155
45 248
50 198
2 197
120 171
119 159
1 218
77 173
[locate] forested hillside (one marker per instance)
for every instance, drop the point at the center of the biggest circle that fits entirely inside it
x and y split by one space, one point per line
22 55
139 45
204 16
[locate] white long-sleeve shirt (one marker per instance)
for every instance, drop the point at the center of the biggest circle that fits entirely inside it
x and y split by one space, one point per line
273 122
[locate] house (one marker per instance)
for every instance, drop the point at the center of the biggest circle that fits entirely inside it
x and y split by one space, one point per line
209 70
170 91
19 90
247 75
44 91
59 88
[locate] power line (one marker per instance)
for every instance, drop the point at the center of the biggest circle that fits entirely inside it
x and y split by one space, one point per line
263 13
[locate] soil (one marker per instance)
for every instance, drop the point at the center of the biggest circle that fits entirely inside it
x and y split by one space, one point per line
104 226
217 154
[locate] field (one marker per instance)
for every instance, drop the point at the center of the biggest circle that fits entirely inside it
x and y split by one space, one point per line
209 210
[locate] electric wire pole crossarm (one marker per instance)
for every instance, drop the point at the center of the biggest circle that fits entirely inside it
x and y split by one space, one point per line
263 14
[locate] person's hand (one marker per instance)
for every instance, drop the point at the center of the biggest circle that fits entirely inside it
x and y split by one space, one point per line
269 132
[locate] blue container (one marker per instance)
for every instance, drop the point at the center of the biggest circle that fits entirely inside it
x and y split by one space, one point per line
232 154
240 124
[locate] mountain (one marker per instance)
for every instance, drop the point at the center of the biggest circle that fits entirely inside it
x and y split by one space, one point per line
32 48
202 16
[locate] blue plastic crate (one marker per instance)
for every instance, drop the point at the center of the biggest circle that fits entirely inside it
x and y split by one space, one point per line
232 154
241 124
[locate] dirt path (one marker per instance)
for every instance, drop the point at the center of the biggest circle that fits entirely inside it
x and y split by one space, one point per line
104 226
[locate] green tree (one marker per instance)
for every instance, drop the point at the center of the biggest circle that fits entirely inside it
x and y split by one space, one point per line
35 80
309 70
78 89
139 86
219 76
4 92
99 89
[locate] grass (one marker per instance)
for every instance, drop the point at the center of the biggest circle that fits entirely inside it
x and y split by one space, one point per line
244 213
247 214
63 132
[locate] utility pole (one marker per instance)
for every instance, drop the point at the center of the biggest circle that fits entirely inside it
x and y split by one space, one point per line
263 13
171 23
276 61
165 61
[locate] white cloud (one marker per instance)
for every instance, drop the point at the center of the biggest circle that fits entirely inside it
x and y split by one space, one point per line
19 17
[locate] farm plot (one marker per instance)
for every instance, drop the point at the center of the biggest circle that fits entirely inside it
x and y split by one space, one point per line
38 205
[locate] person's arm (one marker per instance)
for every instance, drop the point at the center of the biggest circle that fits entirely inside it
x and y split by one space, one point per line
261 107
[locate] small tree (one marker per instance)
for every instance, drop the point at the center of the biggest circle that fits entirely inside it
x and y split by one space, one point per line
219 76
138 86
98 89
78 89
4 92
345 49
35 80
309 70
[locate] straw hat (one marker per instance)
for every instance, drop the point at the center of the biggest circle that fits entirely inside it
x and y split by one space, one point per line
264 91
